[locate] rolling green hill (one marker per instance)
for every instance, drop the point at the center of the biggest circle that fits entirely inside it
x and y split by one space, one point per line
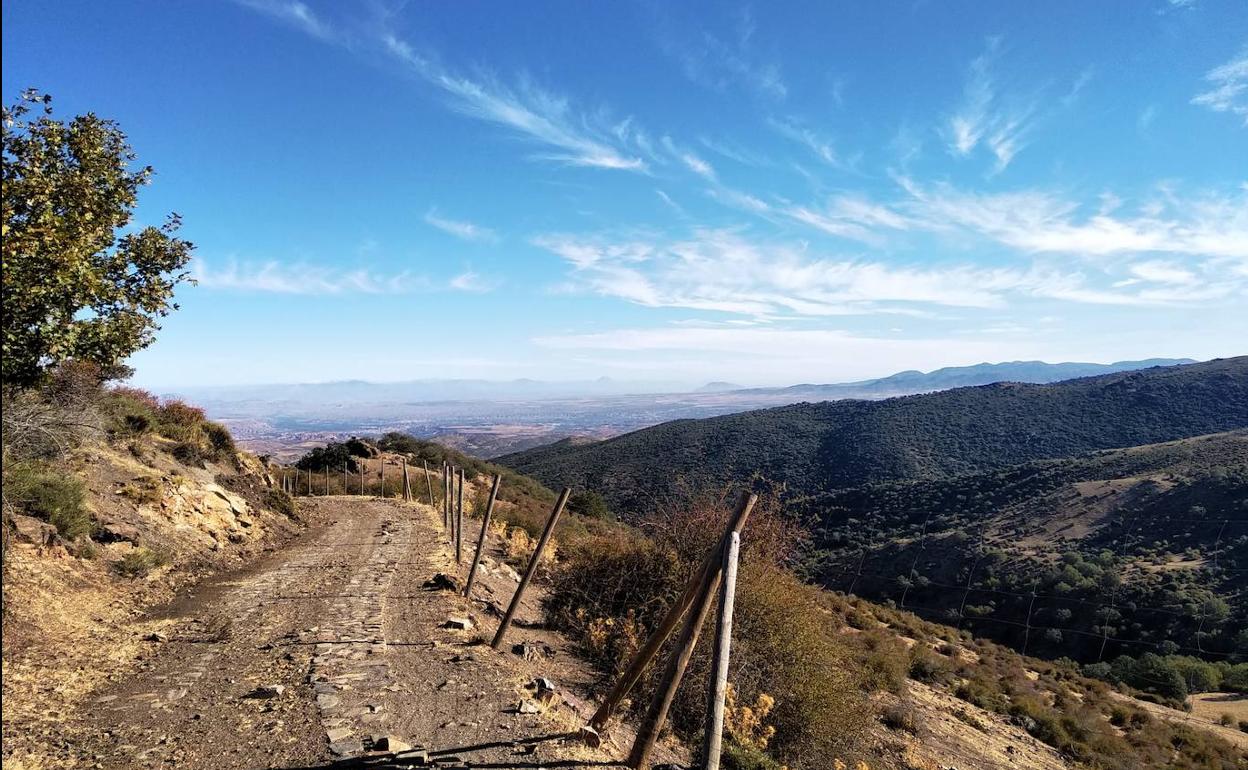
821 447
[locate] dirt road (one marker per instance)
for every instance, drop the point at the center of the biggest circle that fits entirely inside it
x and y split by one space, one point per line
302 659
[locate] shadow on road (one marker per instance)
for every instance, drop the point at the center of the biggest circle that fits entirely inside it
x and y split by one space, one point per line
449 757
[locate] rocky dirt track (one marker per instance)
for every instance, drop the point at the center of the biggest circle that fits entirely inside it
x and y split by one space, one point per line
314 655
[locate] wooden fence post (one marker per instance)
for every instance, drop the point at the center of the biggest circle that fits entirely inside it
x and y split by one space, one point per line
693 589
346 482
648 732
428 481
446 496
327 481
485 526
361 477
532 568
459 520
407 488
714 733
383 478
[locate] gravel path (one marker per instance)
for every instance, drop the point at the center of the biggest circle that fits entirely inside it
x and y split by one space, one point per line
309 656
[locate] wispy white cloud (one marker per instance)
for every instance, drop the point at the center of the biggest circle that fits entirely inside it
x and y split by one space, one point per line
1228 87
723 271
1037 221
530 111
810 139
474 282
690 159
294 13
300 278
987 118
719 64
461 229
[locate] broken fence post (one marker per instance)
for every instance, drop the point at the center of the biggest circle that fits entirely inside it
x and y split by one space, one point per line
485 526
693 589
532 568
714 733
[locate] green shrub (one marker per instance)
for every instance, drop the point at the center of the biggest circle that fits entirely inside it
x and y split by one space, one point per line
279 501
140 561
927 666
50 494
738 757
900 716
220 442
177 420
884 662
189 453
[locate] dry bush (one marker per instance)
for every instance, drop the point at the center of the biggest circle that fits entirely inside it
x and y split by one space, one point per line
46 421
612 590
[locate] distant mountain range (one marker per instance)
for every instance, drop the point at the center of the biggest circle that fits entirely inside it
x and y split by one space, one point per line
910 382
812 448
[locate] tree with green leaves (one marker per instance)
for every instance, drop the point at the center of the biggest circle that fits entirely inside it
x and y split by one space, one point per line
75 288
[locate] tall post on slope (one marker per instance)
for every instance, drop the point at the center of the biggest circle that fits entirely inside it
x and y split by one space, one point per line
428 481
361 464
532 568
327 481
459 520
383 477
693 589
407 488
346 483
485 527
713 737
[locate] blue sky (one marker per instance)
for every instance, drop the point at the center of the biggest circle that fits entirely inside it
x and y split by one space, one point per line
766 193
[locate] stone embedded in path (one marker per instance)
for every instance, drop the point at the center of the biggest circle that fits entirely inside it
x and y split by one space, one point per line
267 691
390 743
459 623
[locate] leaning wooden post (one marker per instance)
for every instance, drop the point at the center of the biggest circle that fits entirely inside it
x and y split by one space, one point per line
714 733
459 520
656 715
407 488
693 589
485 527
532 568
428 481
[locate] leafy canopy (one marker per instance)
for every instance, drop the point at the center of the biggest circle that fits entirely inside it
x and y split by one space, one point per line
73 288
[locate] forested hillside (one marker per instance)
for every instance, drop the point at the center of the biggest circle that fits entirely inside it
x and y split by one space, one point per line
1119 552
820 447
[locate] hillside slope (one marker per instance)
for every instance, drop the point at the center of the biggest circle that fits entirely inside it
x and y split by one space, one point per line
1156 536
812 448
